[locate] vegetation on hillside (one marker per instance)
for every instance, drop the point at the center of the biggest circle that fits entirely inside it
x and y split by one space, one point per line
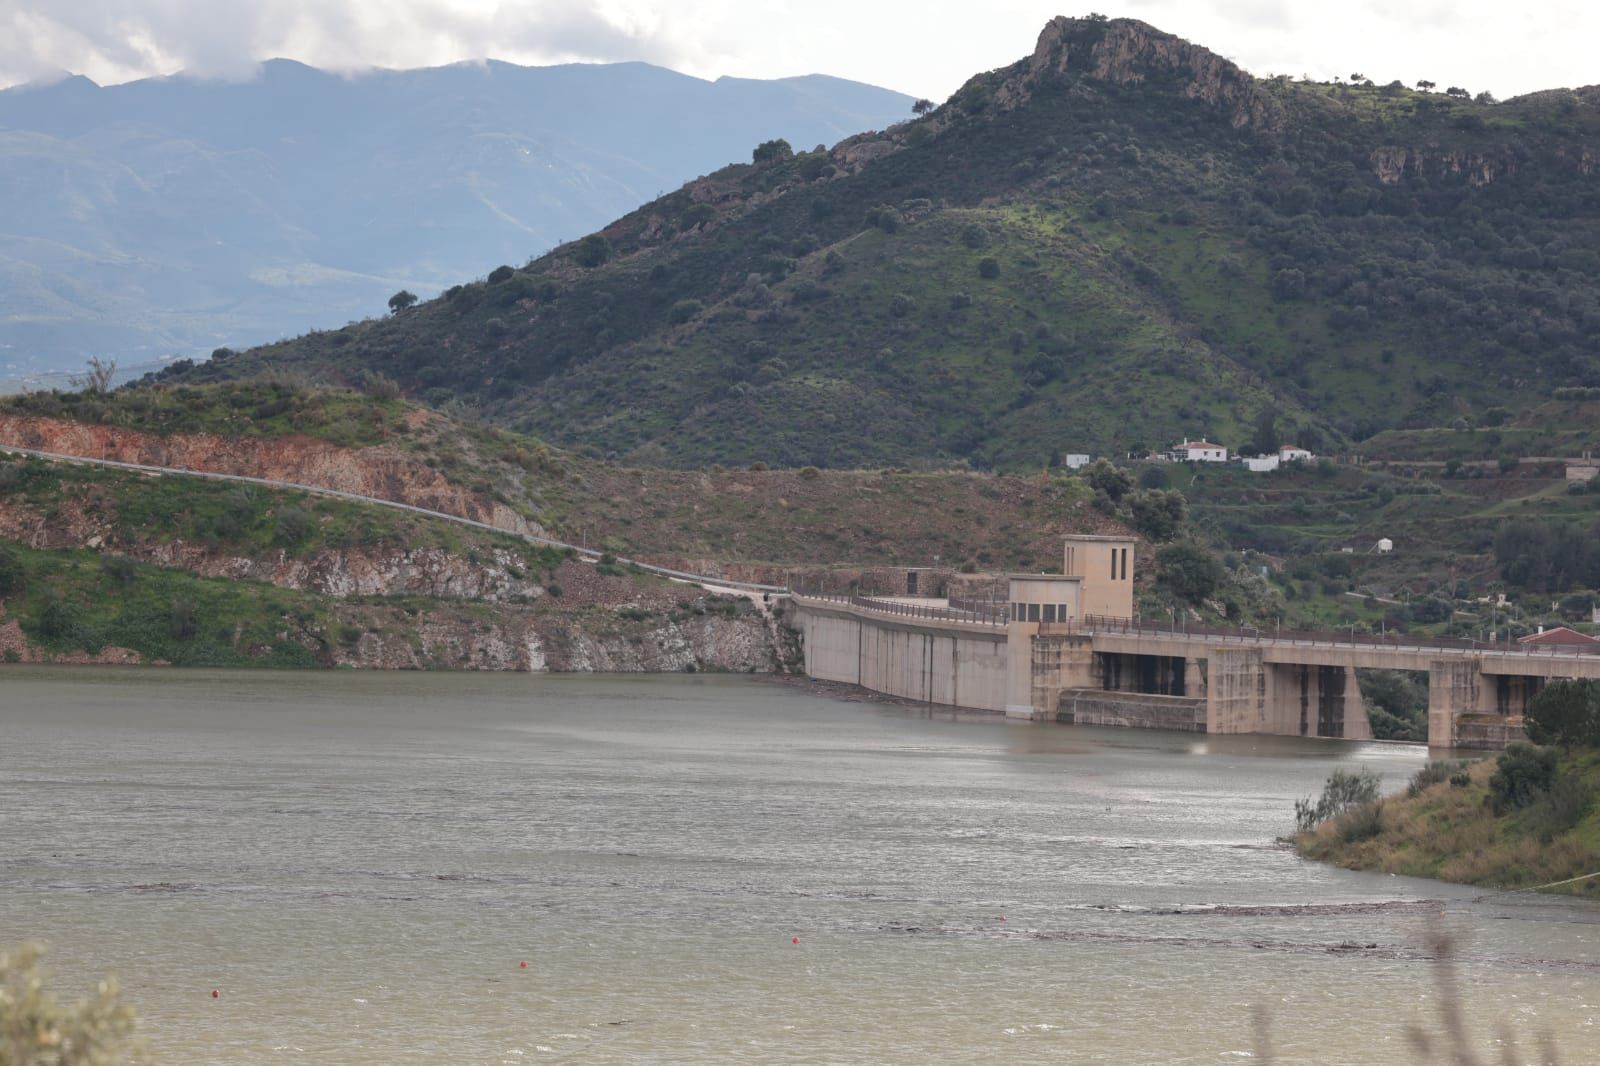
1524 819
805 515
1123 240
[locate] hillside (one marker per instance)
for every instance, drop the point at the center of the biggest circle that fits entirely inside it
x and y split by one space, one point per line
175 215
1118 240
388 448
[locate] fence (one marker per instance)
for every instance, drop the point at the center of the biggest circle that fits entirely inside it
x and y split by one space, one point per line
979 614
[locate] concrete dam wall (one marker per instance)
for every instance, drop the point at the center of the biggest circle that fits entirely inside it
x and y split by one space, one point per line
951 663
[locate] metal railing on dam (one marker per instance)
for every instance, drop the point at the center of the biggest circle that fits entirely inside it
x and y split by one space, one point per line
971 613
1252 635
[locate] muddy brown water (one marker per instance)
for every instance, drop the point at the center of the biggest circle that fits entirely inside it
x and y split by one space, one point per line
359 864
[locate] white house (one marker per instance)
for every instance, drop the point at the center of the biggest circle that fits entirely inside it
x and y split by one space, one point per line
1199 451
1259 464
1075 460
1290 454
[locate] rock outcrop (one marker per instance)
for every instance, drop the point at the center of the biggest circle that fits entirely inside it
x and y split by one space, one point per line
1130 52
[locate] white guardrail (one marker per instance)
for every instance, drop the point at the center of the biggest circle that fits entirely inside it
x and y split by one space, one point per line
377 501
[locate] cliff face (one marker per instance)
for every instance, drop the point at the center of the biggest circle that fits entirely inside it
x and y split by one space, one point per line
384 472
593 642
1394 164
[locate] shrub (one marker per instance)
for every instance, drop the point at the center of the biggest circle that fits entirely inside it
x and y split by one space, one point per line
810 473
593 250
1361 823
1342 791
293 526
1560 808
499 274
1522 775
684 310
13 576
989 267
1432 773
183 620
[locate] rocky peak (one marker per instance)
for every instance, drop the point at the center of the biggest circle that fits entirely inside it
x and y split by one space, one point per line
1130 52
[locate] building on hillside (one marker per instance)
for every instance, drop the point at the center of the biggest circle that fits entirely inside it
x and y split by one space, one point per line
1259 464
1198 451
1291 454
1075 460
1559 636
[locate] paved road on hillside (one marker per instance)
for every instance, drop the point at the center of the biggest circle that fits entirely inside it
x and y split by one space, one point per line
376 501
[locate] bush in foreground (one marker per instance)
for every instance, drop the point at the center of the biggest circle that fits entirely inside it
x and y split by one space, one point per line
36 1030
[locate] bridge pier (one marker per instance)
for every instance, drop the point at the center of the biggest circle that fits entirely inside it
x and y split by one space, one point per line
1468 708
1247 694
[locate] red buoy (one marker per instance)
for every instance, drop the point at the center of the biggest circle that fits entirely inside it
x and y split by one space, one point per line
524 964
214 993
794 940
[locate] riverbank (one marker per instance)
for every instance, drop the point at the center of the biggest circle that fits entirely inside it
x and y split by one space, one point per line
1450 831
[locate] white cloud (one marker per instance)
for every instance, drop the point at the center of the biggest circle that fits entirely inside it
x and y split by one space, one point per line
927 48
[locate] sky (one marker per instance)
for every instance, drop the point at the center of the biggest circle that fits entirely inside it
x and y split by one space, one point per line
925 48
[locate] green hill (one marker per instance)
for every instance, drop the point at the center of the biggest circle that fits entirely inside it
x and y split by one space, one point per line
1116 241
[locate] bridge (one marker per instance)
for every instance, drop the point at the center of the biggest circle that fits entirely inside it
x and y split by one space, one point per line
1043 655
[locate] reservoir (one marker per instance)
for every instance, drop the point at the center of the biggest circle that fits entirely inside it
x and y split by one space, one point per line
360 863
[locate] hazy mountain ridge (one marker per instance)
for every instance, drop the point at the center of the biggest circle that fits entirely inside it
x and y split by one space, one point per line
176 215
1114 241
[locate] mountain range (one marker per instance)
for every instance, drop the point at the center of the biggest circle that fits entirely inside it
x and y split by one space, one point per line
1116 241
175 215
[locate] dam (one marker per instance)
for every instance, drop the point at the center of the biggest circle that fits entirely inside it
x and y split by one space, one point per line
1068 647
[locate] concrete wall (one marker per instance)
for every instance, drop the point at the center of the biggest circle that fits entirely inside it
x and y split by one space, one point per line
959 666
1132 710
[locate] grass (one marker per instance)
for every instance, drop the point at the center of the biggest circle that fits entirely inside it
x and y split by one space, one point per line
74 601
1449 832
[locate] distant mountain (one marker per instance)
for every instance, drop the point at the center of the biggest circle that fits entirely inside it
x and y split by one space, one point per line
1116 241
175 215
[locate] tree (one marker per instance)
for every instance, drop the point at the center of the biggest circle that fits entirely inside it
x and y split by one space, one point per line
97 378
774 151
1108 478
1265 440
1458 92
1158 513
1425 85
922 107
401 301
1565 713
1190 571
